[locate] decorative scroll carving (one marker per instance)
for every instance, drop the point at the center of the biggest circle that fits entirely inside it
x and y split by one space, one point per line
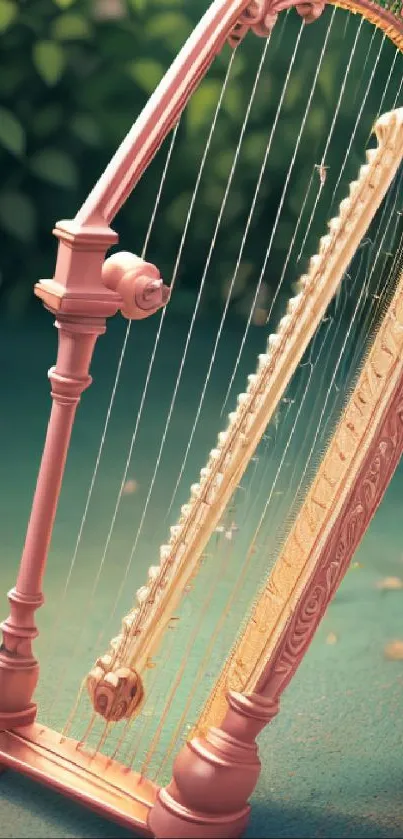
144 626
346 491
138 283
261 15
356 515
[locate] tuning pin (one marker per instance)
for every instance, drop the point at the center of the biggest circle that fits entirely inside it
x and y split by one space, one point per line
242 398
153 573
294 302
324 244
232 416
174 531
353 188
273 341
345 207
165 552
371 154
363 171
129 620
142 595
262 360
195 490
334 224
314 262
185 510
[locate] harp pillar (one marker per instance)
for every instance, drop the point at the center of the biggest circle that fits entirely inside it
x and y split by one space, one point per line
214 776
81 303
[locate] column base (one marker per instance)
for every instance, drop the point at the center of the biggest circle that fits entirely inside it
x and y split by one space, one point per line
16 719
169 819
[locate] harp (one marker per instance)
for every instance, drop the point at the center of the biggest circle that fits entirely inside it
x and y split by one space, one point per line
326 394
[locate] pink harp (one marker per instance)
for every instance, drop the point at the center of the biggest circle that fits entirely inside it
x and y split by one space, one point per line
280 605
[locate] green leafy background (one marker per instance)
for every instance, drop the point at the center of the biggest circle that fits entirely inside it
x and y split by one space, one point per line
74 74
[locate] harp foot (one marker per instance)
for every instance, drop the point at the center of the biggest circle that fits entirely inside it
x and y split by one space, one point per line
170 820
214 776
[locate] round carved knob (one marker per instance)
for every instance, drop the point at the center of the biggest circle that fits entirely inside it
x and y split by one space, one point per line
138 282
117 694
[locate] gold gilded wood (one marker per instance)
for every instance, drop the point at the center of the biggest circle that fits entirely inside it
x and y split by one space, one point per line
114 684
391 24
311 534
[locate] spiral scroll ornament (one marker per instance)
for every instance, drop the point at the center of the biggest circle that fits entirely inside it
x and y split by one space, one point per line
261 15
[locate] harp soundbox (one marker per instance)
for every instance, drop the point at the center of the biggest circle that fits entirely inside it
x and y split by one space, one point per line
337 354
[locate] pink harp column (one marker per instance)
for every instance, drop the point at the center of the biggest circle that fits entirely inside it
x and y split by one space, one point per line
82 297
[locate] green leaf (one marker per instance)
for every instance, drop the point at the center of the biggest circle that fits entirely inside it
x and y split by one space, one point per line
138 5
169 26
47 120
146 72
177 210
17 215
49 61
86 129
8 13
12 135
55 167
64 4
202 105
255 146
71 28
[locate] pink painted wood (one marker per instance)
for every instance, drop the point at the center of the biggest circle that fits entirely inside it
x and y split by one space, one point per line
212 778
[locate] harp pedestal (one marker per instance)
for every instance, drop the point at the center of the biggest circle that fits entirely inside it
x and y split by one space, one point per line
81 305
214 776
19 669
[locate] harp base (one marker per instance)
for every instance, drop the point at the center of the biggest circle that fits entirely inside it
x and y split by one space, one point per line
16 719
171 819
94 780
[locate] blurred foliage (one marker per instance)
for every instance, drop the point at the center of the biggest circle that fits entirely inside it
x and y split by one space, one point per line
74 74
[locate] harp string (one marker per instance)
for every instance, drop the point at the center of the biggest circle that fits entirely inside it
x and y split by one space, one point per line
221 569
330 135
321 431
243 242
271 240
189 335
245 569
388 81
198 299
264 539
57 690
174 277
234 594
374 262
243 129
359 115
368 321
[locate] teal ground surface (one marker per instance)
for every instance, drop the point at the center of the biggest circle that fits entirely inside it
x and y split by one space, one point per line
333 759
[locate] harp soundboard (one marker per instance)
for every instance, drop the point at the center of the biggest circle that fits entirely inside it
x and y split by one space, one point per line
216 768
